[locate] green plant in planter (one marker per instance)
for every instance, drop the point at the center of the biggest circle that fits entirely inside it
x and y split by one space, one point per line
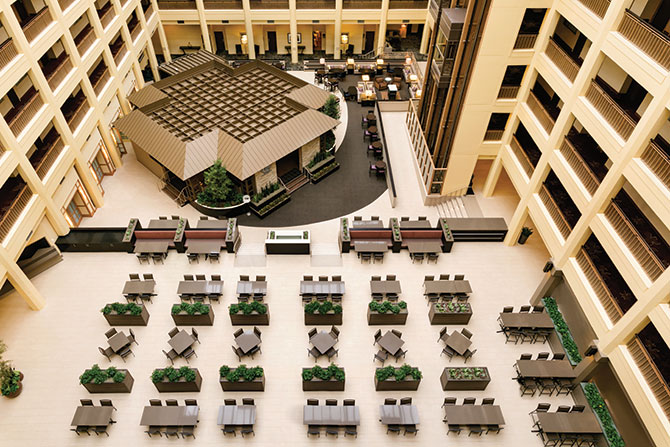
118 377
265 191
157 375
10 382
445 228
452 307
248 308
219 189
224 370
122 308
331 372
562 328
190 309
400 373
322 308
332 107
597 403
387 306
173 375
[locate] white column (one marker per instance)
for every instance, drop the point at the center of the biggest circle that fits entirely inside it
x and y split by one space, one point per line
425 36
293 25
161 34
203 24
337 38
21 282
381 38
250 29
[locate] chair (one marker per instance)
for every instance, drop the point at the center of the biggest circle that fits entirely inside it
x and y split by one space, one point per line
171 402
378 257
543 356
198 298
449 401
393 428
173 332
564 386
107 403
132 337
229 401
547 387
107 352
100 430
336 278
244 277
432 257
428 278
110 333
311 333
238 352
188 277
238 332
314 353
195 335
313 430
559 356
451 428
468 355
459 277
134 276
378 335
410 428
187 430
332 352
538 309
542 407
81 429
358 218
390 401
260 277
171 431
469 401
141 257
157 257
190 402
171 355
350 430
376 278
377 296
508 309
154 430
526 356
444 277
188 353
466 333
247 430
524 309
331 402
307 278
254 350
400 354
406 401
417 257
313 402
443 332
528 387
86 402
155 402
577 409
366 257
488 401
257 332
381 356
248 401
396 333
493 428
349 402
228 429
193 257
334 332
200 277
477 430
449 352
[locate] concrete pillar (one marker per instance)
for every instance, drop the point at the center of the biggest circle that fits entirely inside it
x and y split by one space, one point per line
88 181
381 38
203 25
151 53
161 35
249 28
293 25
516 223
21 282
549 281
425 36
493 176
337 38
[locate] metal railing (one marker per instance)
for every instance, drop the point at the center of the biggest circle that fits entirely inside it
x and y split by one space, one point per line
59 73
599 287
361 4
651 374
106 16
644 255
64 4
37 23
408 4
135 32
26 114
525 41
493 135
610 110
120 54
560 58
652 42
50 158
534 104
598 7
223 4
100 83
522 157
579 166
658 161
8 220
555 212
508 91
166 4
432 177
78 116
7 53
86 40
315 4
149 12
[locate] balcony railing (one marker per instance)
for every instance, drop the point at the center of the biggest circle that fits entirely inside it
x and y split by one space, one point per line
580 167
37 23
522 157
223 4
106 15
433 178
12 215
59 73
555 212
169 4
540 112
135 30
652 42
658 161
610 110
84 40
315 4
598 285
120 54
25 113
64 4
508 91
525 41
7 53
361 4
493 135
561 59
644 255
99 84
652 375
598 7
77 117
149 12
408 4
49 159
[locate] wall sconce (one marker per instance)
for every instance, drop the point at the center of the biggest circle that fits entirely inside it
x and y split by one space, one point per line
344 38
408 61
350 61
418 93
244 39
365 78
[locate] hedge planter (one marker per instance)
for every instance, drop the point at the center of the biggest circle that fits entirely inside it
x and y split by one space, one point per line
183 383
183 318
385 313
122 314
317 378
271 207
257 314
449 313
257 202
405 378
344 237
323 314
241 378
469 378
325 172
110 380
447 237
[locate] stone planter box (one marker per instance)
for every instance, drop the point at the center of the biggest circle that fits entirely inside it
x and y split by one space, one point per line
228 211
184 319
109 386
317 319
258 384
393 385
443 318
320 165
322 385
447 237
464 384
253 319
283 200
127 319
375 318
344 238
256 206
325 172
181 386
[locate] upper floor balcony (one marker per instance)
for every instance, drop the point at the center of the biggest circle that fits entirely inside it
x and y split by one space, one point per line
567 48
118 49
649 31
560 206
657 157
361 4
529 29
223 4
56 65
64 4
134 26
648 246
496 126
75 109
609 286
45 152
525 150
23 108
7 52
99 76
598 7
511 81
106 14
270 4
147 8
408 4
585 157
14 197
544 103
315 4
83 34
176 4
33 17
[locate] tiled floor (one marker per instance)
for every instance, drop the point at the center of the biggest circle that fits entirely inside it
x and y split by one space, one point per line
54 346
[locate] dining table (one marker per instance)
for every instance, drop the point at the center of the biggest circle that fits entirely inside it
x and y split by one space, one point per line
447 286
385 287
163 416
236 415
399 414
390 342
163 224
200 287
139 287
92 416
424 246
247 341
118 341
338 415
152 246
360 224
458 342
474 415
545 369
204 246
371 246
212 224
415 224
252 287
526 320
581 423
321 287
323 341
181 341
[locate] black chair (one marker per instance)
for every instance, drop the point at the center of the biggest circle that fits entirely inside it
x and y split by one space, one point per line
393 428
476 430
410 428
351 431
100 430
451 428
332 430
81 429
229 429
313 430
154 430
86 402
247 430
188 431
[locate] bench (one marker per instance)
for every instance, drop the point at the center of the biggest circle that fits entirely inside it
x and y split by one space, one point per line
205 234
154 234
421 234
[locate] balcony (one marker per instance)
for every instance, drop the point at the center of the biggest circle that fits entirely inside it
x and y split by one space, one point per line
657 158
74 109
646 244
34 26
560 206
621 121
493 134
106 14
598 7
544 113
652 42
525 41
24 111
176 4
64 4
14 197
223 4
521 156
7 53
134 28
84 40
361 4
148 12
605 280
99 78
651 354
581 167
119 51
315 4
508 91
408 4
562 60
56 70
47 154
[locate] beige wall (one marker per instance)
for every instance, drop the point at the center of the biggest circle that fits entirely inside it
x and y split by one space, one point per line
182 35
148 162
308 151
261 179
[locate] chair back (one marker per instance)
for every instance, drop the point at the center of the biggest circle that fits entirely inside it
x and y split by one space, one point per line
563 409
106 403
349 402
171 402
257 332
238 332
524 309
331 402
307 278
173 332
459 277
216 277
508 309
110 333
378 334
311 333
449 401
336 277
155 402
577 409
323 278
488 401
559 356
134 276
376 278
86 402
526 356
313 402
406 401
188 277
469 401
244 277
191 402
230 401
247 401
428 278
443 331
543 356
396 333
194 333
200 277
260 277
466 333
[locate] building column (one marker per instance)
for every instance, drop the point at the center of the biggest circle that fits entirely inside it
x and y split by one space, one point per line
337 38
381 39
151 53
200 6
293 28
21 282
425 36
249 28
493 176
161 35
88 181
516 223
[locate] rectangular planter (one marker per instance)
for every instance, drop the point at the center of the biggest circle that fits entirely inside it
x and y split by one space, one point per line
180 387
285 199
322 385
463 384
126 319
442 318
393 385
375 318
447 237
253 319
184 319
257 385
344 239
257 206
317 179
112 387
317 319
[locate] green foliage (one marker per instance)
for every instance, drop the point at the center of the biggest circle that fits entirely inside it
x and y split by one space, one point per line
399 373
122 308
457 308
327 141
563 330
10 382
322 308
265 191
467 373
157 375
325 170
248 308
118 377
319 157
600 409
173 375
332 107
191 309
241 372
385 307
99 376
274 203
331 372
219 189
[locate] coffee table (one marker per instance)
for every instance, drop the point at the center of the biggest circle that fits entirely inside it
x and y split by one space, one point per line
390 342
182 341
323 341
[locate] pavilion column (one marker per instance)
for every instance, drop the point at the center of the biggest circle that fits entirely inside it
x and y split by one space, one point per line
161 35
21 282
203 25
381 39
249 28
337 38
293 25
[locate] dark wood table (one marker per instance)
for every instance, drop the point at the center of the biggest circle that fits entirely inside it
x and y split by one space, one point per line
376 144
204 246
424 246
399 414
213 224
371 246
118 341
548 369
380 164
385 287
247 341
236 415
182 341
534 320
372 129
474 415
163 224
92 416
252 287
339 415
323 341
448 286
138 287
327 287
179 416
390 342
152 246
583 423
200 287
411 224
371 117
458 342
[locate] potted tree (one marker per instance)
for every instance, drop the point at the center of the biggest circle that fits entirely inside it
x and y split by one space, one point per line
468 378
125 314
110 380
525 233
252 314
171 380
242 378
325 313
219 197
450 313
196 314
317 378
387 312
405 378
10 379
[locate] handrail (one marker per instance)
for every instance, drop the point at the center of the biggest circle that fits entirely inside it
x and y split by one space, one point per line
562 60
86 41
652 42
14 212
78 115
525 41
59 72
599 286
149 12
27 112
581 168
610 110
36 24
433 178
508 91
7 52
658 161
50 158
64 4
135 32
634 241
660 389
555 212
120 54
598 7
100 82
106 17
521 155
540 112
